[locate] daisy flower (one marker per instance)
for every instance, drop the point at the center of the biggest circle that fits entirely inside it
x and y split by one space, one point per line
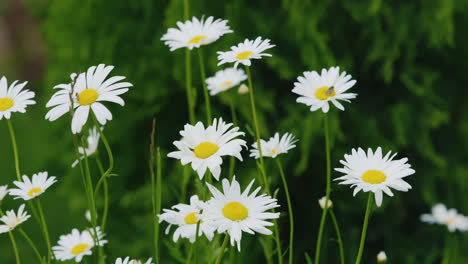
448 217
11 219
185 217
77 244
381 257
13 98
89 90
372 172
195 33
93 143
3 191
322 202
234 212
317 90
274 146
205 147
245 51
30 189
134 261
225 79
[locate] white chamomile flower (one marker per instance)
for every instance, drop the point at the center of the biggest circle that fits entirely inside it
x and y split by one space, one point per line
77 244
225 80
204 147
89 90
234 212
186 217
93 143
30 189
13 98
11 219
195 33
317 90
245 51
134 261
322 202
3 192
448 217
274 146
381 257
375 173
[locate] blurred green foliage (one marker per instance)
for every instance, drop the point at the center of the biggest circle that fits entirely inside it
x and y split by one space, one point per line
410 61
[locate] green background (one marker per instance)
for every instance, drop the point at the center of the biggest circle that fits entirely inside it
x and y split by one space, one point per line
409 59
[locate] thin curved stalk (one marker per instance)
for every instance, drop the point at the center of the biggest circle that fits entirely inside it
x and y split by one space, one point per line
223 248
45 229
364 228
15 247
31 243
338 236
327 190
15 149
205 89
290 211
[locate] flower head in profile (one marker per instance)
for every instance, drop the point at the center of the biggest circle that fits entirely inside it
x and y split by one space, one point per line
93 143
225 80
243 89
11 219
245 51
317 90
205 147
373 172
31 188
14 98
78 244
186 217
234 212
133 261
195 33
449 217
89 89
322 202
3 192
381 257
275 146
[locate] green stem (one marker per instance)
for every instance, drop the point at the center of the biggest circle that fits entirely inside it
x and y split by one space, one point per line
338 235
105 210
232 160
327 190
189 256
205 88
15 247
156 195
364 228
31 243
45 229
447 249
223 248
188 85
290 211
186 9
15 149
257 128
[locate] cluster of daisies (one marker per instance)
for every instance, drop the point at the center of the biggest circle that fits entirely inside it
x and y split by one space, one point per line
229 210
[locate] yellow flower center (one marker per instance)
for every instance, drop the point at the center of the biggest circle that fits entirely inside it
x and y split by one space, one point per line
6 103
244 55
325 92
226 84
87 97
34 191
205 149
273 151
18 220
191 219
235 211
450 221
374 177
196 39
78 249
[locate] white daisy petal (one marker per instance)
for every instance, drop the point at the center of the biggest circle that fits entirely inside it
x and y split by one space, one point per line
78 244
449 217
274 146
225 80
30 189
14 98
11 219
245 51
